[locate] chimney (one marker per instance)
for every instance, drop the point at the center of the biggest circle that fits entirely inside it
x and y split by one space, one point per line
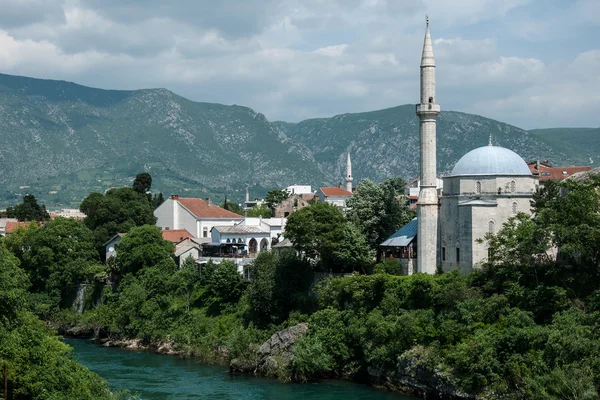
208 201
340 185
174 197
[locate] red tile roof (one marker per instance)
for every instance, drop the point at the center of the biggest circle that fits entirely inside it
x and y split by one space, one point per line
335 191
176 235
201 209
548 173
11 226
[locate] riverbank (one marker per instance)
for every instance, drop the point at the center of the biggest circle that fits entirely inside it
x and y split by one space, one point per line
158 377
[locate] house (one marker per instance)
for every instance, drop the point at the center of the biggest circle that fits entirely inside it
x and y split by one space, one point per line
188 247
411 190
547 172
68 213
401 246
336 196
195 215
4 222
110 247
293 203
248 238
299 189
176 235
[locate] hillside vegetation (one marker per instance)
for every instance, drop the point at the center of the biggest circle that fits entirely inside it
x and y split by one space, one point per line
61 140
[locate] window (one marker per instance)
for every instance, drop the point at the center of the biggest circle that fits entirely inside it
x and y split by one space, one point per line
513 186
457 255
205 232
166 228
443 254
492 227
515 207
478 187
431 100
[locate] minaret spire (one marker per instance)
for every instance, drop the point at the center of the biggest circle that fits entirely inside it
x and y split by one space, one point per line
349 178
427 204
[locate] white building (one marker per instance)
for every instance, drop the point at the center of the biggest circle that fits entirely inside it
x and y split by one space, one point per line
249 237
334 196
411 191
299 189
110 247
68 213
195 215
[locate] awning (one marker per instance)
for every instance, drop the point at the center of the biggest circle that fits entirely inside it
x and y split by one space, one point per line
404 236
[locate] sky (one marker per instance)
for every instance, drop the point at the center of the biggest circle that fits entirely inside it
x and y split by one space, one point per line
530 63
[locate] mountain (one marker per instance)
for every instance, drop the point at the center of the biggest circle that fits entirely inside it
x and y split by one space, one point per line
582 143
385 143
61 140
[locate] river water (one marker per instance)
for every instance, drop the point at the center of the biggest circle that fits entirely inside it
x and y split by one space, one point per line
161 377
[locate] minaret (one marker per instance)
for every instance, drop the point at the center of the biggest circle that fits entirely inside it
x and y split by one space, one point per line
427 204
349 178
247 195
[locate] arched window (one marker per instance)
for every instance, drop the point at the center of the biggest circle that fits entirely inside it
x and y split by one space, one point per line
228 241
233 240
513 186
514 207
478 187
492 227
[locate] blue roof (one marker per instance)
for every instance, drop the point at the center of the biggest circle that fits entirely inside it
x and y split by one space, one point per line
491 160
404 236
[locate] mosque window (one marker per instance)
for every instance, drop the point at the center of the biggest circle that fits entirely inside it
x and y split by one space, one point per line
443 254
478 187
514 207
513 186
457 255
431 100
492 227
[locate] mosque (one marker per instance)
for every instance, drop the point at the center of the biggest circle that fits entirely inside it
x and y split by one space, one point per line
486 187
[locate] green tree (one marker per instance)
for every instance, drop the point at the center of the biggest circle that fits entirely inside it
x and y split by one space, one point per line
142 183
224 284
378 210
260 211
157 200
28 210
144 247
321 231
276 196
233 207
59 256
117 211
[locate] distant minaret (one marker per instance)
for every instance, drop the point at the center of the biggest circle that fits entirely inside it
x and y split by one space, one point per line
247 195
427 204
349 178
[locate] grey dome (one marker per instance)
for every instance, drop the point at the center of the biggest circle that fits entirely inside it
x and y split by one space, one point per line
490 160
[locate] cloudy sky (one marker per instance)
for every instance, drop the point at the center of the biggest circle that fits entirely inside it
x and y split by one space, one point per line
531 63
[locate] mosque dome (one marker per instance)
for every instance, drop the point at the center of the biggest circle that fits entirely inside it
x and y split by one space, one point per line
490 160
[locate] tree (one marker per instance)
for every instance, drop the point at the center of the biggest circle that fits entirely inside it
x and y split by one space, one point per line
233 207
142 182
275 197
321 230
59 256
144 247
378 210
223 283
117 211
157 200
259 211
28 210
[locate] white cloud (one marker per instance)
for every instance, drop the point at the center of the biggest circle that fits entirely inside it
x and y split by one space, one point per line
293 59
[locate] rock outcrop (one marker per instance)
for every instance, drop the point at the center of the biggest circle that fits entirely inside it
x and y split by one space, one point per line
273 355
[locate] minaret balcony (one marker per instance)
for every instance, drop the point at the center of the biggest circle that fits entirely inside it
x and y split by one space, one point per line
428 108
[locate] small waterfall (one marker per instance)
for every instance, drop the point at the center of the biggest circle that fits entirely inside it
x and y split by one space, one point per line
79 302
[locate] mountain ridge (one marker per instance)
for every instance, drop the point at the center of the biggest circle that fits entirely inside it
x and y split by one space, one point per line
63 140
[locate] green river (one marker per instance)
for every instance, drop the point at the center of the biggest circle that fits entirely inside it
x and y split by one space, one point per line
160 377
